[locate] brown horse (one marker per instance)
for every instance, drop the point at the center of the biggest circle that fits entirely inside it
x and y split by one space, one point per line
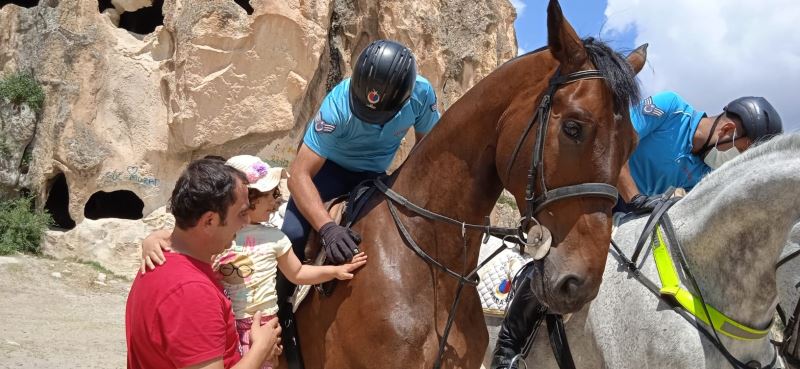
393 313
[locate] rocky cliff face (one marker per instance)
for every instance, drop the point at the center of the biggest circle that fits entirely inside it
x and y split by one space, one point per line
137 88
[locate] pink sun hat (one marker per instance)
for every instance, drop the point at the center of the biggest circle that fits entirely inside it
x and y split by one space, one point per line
261 176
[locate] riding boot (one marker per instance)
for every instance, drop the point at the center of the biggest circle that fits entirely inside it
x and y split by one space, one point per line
523 315
291 344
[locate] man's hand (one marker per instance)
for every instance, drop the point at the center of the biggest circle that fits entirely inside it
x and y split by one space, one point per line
152 247
340 243
266 336
344 272
643 203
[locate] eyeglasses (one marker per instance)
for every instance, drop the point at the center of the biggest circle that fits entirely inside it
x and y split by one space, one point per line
243 271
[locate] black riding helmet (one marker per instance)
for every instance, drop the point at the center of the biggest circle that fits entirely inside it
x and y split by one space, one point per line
382 81
759 118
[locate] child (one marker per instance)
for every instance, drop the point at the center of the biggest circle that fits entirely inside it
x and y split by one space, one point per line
248 269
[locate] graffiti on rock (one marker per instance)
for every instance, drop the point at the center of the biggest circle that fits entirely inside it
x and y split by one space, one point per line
131 175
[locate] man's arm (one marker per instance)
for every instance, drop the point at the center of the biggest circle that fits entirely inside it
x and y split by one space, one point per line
634 200
340 243
301 185
265 340
429 114
626 186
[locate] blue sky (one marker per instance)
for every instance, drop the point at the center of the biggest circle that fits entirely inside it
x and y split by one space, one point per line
587 17
715 52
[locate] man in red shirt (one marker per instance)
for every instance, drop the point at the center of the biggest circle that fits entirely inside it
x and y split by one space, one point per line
177 316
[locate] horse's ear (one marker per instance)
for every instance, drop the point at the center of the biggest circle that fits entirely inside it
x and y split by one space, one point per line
563 42
637 58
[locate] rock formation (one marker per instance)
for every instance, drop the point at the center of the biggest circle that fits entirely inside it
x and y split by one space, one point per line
137 88
134 89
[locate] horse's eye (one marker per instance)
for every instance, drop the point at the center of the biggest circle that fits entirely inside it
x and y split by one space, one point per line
572 129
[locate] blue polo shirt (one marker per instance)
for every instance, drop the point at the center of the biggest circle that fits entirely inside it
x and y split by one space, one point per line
666 125
337 135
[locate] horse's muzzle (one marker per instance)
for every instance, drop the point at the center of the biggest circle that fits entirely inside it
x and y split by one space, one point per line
563 290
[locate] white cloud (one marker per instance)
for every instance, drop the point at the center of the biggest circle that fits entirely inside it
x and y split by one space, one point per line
713 51
519 5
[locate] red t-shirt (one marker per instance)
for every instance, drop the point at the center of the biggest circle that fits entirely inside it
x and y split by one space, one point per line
177 316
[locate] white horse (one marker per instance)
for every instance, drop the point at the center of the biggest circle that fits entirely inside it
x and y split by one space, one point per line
732 227
789 274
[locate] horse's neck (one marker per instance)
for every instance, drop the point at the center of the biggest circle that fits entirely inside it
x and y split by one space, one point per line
733 230
452 171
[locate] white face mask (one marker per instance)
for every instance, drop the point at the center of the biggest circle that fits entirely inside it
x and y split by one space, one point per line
715 158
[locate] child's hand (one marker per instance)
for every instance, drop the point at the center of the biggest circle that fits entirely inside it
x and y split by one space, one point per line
151 250
344 271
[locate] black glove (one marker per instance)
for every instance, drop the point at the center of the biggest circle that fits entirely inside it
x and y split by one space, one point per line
643 203
340 243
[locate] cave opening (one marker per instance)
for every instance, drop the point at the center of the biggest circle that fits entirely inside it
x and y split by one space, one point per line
121 204
57 203
20 3
245 4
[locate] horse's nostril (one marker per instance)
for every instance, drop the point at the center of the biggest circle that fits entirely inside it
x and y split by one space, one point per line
569 284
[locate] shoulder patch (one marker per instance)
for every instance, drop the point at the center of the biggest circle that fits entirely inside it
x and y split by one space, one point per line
649 108
322 126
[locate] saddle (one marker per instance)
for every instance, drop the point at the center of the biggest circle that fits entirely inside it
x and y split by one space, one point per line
344 210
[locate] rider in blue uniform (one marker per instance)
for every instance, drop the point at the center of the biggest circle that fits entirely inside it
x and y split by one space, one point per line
353 137
678 145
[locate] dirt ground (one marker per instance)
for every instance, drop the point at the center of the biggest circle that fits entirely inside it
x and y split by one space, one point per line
60 314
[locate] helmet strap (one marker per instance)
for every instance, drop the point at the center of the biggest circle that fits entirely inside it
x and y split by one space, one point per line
705 148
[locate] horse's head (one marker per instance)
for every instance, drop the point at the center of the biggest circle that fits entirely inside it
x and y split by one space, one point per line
588 137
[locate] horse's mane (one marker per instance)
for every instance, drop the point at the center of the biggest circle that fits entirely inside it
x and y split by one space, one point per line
619 76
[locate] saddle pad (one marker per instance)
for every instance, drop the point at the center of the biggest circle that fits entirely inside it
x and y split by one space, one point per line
496 276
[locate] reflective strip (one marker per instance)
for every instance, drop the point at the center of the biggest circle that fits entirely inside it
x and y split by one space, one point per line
671 286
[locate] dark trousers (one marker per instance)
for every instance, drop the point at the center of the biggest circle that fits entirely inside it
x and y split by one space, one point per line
331 181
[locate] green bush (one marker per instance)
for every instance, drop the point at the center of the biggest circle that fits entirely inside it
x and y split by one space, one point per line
22 88
21 229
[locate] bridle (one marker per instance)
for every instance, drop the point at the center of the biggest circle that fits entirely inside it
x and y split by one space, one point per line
534 204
